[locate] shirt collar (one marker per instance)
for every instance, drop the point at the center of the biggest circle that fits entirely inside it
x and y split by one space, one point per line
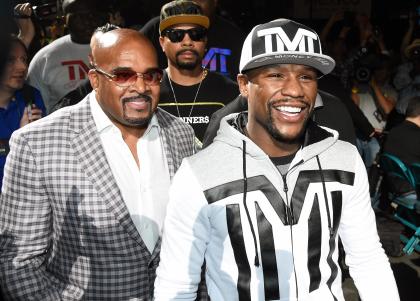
13 103
318 101
103 122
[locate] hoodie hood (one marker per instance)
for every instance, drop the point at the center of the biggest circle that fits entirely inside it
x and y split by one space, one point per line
316 140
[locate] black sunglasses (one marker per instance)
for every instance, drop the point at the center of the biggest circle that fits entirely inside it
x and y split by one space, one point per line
127 78
177 35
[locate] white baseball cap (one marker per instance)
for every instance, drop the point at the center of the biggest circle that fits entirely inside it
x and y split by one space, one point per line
284 41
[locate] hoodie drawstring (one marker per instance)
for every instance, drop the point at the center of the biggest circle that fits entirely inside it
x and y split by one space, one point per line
325 196
245 180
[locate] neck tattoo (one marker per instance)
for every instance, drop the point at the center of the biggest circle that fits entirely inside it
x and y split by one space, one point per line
203 76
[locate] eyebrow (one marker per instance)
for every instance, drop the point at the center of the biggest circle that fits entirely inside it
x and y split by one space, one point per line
306 68
131 69
310 68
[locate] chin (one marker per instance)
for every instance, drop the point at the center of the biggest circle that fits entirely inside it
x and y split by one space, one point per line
288 136
187 65
137 121
82 38
287 139
16 85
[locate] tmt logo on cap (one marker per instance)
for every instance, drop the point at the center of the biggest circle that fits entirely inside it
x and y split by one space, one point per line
302 38
284 41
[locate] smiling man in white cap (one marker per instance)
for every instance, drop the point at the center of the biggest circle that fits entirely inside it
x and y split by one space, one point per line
277 192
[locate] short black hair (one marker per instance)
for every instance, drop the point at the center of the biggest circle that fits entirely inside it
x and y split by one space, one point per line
68 5
72 6
413 107
15 39
107 27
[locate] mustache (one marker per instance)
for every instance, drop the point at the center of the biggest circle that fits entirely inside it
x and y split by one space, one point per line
195 52
288 100
138 97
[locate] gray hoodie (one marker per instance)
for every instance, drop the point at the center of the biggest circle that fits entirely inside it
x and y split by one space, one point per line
265 236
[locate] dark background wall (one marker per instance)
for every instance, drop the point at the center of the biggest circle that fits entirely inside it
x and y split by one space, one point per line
390 15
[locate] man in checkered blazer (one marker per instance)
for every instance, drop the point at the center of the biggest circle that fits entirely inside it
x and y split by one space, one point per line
85 189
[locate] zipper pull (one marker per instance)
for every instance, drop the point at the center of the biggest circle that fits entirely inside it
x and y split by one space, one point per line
291 213
289 216
285 188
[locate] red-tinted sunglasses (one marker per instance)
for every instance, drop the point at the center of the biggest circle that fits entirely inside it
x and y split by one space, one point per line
128 77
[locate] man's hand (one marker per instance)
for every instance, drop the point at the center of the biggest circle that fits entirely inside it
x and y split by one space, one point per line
373 83
23 14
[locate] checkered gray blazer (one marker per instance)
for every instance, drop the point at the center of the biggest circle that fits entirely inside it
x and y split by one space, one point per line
65 232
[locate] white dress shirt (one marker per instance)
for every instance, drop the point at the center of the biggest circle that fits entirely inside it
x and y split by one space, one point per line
144 189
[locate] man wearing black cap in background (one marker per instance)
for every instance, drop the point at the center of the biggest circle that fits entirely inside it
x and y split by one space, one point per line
188 90
265 203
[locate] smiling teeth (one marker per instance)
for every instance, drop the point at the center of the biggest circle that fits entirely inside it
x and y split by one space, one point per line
289 109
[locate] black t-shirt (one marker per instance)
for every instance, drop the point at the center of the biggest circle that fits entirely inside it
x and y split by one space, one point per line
403 141
214 93
224 44
283 163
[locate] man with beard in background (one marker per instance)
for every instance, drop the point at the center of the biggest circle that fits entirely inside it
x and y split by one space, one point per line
188 90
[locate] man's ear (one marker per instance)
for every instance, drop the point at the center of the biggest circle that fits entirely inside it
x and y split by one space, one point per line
206 40
243 84
91 60
161 40
93 78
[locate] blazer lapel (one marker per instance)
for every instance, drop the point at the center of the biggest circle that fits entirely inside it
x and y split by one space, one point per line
169 143
156 251
91 156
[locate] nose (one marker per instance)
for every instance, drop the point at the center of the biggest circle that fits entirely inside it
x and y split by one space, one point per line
186 40
139 85
21 64
292 88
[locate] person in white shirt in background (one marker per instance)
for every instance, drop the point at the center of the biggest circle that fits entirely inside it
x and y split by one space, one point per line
59 67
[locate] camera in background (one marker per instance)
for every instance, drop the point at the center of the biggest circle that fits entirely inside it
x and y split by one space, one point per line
378 65
47 11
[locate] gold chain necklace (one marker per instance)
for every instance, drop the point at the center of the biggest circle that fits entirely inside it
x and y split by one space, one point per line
203 76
